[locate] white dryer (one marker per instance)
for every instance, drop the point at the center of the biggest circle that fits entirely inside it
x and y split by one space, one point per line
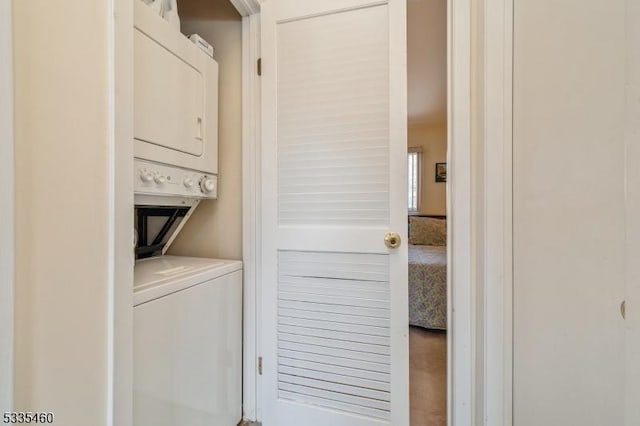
187 342
175 96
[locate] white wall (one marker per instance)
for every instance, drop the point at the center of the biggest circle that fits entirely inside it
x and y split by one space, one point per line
6 208
632 196
215 229
569 212
63 146
433 141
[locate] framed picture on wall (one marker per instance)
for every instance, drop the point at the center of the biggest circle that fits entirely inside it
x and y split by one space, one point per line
441 172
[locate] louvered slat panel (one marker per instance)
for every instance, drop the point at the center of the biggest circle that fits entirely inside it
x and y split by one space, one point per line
370 412
331 334
326 143
332 300
367 312
325 316
342 266
335 369
339 258
336 326
339 270
365 383
324 152
333 101
323 188
333 330
337 352
336 288
310 288
320 197
370 284
305 389
375 398
375 367
333 343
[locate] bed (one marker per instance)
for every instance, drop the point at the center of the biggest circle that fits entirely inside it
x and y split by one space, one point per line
427 272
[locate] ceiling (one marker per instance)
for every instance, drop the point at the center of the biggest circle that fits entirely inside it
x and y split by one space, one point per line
216 10
427 61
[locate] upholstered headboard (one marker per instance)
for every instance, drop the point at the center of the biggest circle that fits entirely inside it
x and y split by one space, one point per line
427 230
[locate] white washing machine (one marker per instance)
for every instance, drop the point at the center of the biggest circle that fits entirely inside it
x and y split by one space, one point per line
187 342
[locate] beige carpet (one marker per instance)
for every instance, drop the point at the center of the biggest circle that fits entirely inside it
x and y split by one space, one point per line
428 377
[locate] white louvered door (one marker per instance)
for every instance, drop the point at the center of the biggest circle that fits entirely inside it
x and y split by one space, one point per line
335 322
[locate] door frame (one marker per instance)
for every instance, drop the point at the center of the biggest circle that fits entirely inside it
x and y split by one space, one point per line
7 201
480 60
120 309
460 294
251 215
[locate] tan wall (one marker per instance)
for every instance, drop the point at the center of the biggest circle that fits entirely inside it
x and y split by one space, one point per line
215 229
427 95
62 209
427 61
433 140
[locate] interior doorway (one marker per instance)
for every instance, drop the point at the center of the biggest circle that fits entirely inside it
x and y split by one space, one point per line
427 207
459 338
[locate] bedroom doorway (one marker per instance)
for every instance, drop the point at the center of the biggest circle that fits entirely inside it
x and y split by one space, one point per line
427 207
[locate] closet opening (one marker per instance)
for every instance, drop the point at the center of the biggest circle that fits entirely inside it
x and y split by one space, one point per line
427 209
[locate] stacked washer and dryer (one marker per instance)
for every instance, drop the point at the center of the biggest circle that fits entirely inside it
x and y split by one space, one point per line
187 311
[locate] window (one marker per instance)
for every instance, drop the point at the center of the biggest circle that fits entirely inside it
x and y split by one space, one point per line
413 168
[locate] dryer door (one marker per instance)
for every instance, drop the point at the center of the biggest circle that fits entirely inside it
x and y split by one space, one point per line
175 96
169 104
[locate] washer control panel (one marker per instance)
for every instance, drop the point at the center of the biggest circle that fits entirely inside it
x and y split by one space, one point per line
159 179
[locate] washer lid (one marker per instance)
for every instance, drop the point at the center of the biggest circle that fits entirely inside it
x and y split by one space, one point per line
158 276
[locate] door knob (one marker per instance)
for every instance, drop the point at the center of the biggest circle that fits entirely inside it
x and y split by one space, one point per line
392 240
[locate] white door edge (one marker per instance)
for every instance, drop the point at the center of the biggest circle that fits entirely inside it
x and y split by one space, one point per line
497 216
7 203
460 351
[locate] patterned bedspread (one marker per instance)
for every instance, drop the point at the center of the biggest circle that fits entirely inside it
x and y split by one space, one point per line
428 286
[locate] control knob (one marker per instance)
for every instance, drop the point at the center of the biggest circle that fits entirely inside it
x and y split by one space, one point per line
145 176
207 185
188 182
